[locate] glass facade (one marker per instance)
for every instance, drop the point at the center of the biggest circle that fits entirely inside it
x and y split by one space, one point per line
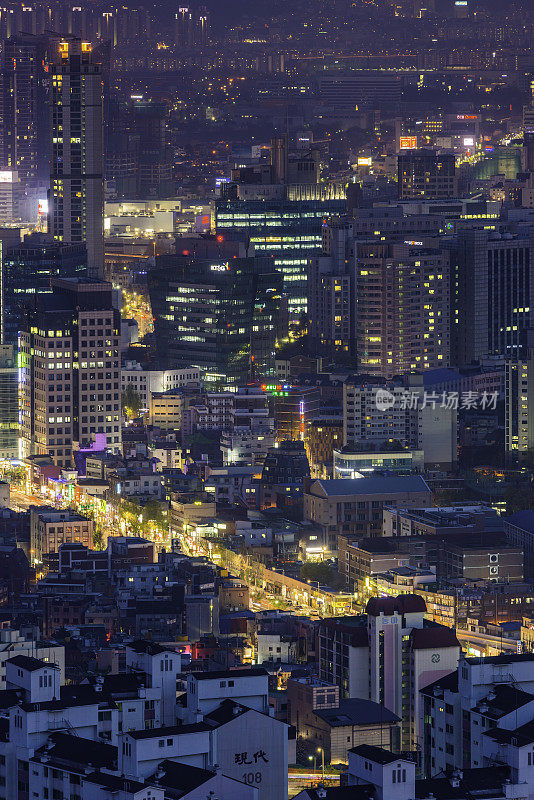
288 230
219 316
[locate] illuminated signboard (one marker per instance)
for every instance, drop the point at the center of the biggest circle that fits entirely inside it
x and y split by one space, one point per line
276 389
468 141
42 206
219 267
466 116
365 161
412 242
408 142
6 177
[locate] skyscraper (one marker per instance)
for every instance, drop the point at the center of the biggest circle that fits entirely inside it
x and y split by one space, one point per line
289 230
403 315
76 207
331 293
24 135
495 293
26 269
9 403
70 385
221 316
427 174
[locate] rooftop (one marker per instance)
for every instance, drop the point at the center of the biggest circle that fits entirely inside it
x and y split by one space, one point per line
149 648
31 664
356 711
254 672
376 754
169 730
502 700
403 604
520 737
376 484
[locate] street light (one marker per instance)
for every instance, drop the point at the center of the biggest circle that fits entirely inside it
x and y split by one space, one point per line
314 759
321 751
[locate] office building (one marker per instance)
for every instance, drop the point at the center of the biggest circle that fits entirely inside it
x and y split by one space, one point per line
372 89
27 270
76 201
24 138
145 382
528 138
148 130
354 506
382 415
332 303
221 317
9 403
288 230
495 293
425 174
70 386
387 656
519 399
294 408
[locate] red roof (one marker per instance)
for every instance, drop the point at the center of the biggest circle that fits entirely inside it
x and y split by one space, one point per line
403 604
429 638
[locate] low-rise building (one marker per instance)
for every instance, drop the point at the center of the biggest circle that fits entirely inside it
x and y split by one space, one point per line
355 505
51 527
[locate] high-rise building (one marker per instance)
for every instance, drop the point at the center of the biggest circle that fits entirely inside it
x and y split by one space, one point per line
183 27
24 118
220 316
387 656
76 200
528 137
288 230
191 26
70 385
332 293
148 128
9 403
27 269
379 414
403 315
519 399
495 293
426 174
24 132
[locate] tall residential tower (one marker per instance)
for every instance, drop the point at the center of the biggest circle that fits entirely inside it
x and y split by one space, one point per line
76 207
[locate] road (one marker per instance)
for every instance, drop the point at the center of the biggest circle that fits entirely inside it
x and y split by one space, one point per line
19 501
484 641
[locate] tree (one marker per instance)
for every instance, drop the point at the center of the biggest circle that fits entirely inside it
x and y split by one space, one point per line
519 497
131 402
156 512
317 571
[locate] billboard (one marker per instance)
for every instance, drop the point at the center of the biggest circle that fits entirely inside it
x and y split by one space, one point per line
408 142
202 223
